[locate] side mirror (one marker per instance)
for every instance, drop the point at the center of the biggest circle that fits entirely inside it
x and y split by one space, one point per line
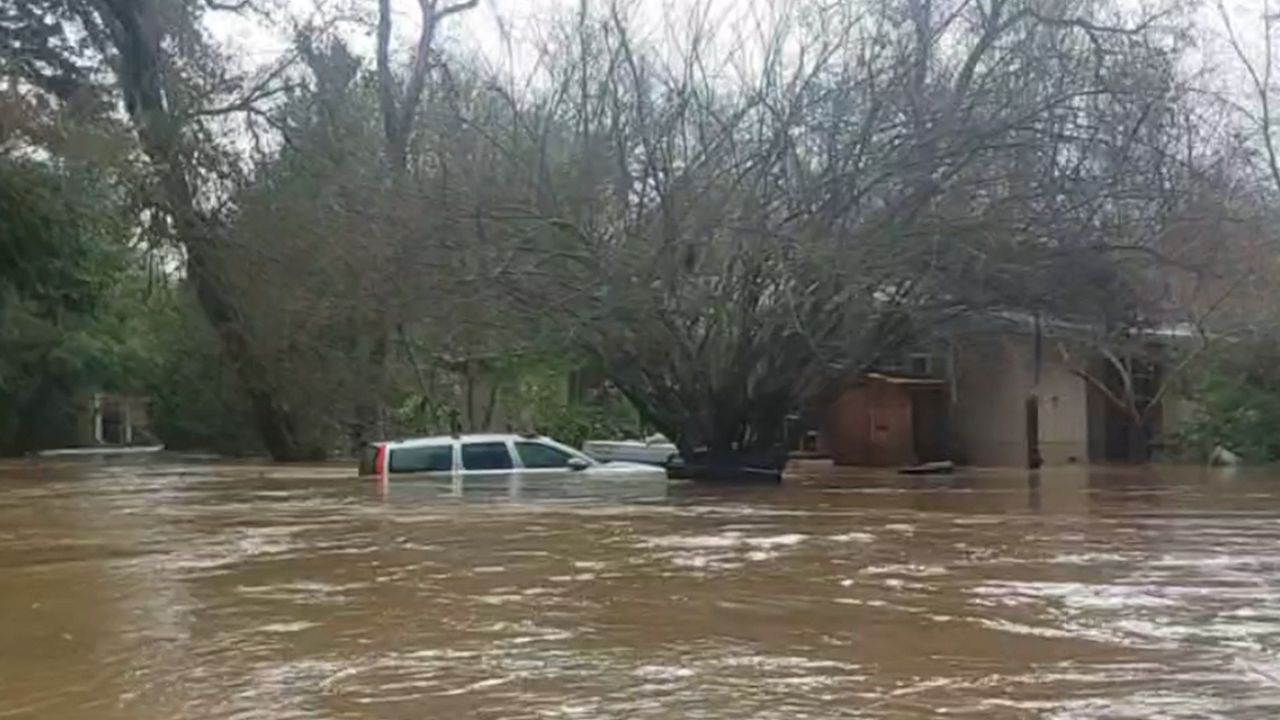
577 464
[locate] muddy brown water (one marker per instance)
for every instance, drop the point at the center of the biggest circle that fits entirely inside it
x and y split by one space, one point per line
189 591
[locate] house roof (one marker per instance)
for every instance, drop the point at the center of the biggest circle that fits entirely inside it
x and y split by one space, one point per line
1019 321
903 379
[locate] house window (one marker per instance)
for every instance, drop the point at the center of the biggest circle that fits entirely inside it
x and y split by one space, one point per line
919 364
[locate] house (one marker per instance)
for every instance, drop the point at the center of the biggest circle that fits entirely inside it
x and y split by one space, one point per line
1005 390
119 419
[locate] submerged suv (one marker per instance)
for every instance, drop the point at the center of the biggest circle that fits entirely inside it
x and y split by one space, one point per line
481 455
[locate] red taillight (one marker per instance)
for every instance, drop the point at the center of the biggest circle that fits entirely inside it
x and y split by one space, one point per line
380 461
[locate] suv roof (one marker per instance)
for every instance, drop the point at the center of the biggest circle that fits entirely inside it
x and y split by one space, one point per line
466 437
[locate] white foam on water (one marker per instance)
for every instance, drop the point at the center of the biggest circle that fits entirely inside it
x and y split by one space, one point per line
288 627
730 539
908 569
861 537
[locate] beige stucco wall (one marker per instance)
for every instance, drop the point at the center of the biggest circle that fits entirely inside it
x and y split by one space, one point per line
994 374
990 380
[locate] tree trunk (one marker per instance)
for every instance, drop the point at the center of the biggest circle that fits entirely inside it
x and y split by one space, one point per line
726 444
136 30
1139 444
370 408
276 425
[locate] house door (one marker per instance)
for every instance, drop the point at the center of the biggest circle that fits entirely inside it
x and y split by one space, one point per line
929 424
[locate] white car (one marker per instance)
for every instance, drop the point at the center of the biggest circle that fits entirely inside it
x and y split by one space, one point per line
653 450
491 455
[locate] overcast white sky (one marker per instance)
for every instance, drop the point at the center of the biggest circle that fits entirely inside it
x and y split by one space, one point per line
508 32
478 28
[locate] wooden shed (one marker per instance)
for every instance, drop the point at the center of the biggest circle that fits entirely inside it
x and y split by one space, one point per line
882 420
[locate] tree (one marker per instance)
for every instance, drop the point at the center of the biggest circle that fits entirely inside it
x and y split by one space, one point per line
399 296
738 247
729 224
1254 55
400 102
174 87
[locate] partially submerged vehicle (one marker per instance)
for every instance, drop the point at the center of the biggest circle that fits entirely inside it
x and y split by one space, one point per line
701 464
490 455
734 467
653 450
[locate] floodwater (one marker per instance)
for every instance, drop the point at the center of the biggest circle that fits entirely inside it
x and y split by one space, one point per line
188 591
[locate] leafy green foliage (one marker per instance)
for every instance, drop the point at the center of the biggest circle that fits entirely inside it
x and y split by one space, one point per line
59 258
521 392
574 424
1238 397
79 314
196 400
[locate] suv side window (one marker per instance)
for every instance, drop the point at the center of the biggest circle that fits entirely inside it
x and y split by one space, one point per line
427 458
486 456
537 455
